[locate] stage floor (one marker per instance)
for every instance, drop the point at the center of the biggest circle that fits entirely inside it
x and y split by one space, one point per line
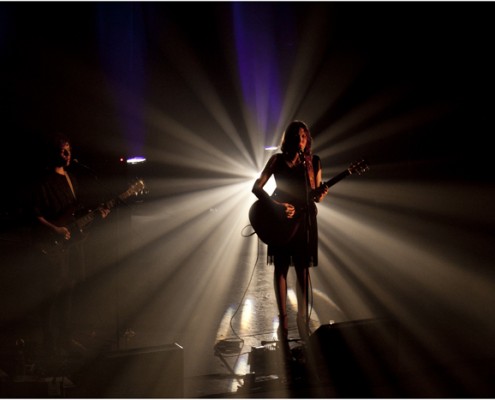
339 360
146 327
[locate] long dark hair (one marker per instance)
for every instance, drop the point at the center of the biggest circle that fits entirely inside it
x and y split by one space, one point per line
290 138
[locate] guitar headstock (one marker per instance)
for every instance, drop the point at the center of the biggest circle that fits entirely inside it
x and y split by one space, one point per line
359 167
136 188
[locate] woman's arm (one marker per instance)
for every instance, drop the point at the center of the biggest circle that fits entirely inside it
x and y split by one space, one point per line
258 187
260 193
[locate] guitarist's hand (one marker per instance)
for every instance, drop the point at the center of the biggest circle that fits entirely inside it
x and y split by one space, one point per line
321 193
104 211
289 210
62 231
59 230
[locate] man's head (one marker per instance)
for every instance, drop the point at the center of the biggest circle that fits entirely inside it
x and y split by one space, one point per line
60 152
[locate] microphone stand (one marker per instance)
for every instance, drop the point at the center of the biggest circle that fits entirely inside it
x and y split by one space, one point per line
308 228
90 171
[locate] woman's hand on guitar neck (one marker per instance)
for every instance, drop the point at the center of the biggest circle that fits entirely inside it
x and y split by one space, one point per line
320 193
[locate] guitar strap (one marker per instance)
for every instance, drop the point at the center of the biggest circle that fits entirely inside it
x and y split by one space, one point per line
70 184
310 170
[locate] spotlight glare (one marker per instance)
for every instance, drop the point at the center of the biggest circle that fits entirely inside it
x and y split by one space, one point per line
135 160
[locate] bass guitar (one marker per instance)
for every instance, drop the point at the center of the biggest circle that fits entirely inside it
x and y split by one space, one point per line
268 218
50 243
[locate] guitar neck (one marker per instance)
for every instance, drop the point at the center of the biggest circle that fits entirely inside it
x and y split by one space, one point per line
90 216
337 178
83 221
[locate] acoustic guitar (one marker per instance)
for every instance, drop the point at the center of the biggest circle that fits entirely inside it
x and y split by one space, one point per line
268 218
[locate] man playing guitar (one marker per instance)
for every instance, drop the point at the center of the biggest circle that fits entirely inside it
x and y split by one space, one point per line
54 202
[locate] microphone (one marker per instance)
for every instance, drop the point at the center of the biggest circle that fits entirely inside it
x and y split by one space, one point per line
76 161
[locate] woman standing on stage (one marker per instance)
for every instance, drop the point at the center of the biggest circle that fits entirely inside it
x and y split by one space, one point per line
298 174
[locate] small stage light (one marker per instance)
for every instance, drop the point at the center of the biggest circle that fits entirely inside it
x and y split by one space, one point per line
136 160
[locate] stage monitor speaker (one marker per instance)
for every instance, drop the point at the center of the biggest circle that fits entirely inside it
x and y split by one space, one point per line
352 353
152 372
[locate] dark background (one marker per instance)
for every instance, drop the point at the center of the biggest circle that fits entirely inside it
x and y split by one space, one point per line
56 77
65 67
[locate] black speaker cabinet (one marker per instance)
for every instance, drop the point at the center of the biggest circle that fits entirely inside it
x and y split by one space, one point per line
355 355
152 372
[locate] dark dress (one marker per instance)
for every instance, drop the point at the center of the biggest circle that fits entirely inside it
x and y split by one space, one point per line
291 188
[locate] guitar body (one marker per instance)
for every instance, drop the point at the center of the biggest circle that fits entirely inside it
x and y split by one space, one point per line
270 223
48 242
